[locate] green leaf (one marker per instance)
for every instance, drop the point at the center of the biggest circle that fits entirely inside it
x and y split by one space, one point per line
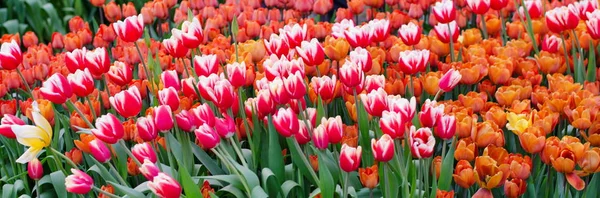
269 181
126 190
591 70
447 169
188 184
303 166
234 28
11 26
364 136
53 17
236 192
592 190
175 147
58 181
250 177
102 171
7 190
258 192
233 180
121 159
578 66
275 162
143 187
288 186
326 183
206 160
320 111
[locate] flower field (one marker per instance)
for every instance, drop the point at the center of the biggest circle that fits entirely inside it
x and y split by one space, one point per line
308 98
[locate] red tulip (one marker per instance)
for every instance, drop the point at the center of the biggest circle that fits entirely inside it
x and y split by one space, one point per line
175 47
585 6
286 122
444 11
186 121
443 32
191 34
35 170
351 75
149 169
312 53
79 182
381 29
533 7
361 57
187 86
383 149
498 4
97 61
320 137
206 65
169 97
144 151
410 34
430 113
421 142
56 89
391 123
6 125
333 128
403 106
374 82
450 79
203 114
593 24
350 158
225 126
82 82
10 55
413 61
375 102
146 129
264 103
109 129
127 103
99 150
562 18
358 36
224 94
278 91
338 28
324 86
165 186
275 67
163 118
207 137
294 85
277 45
130 29
236 73
75 60
446 127
303 136
479 6
294 35
120 74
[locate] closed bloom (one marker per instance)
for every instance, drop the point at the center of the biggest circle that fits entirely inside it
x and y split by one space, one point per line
97 61
56 89
169 97
10 55
191 34
109 129
35 170
381 29
277 45
207 137
552 43
446 127
421 142
410 34
479 6
375 102
464 174
79 182
206 65
294 34
99 150
445 33
413 61
144 151
320 137
533 7
163 118
120 74
224 94
75 59
383 149
146 129
374 82
130 29
334 128
444 11
312 53
391 123
175 47
361 57
324 86
128 102
186 121
351 74
149 170
430 113
82 82
593 24
562 18
358 37
6 125
499 4
294 85
225 126
286 122
369 176
237 73
350 158
165 186
450 79
403 106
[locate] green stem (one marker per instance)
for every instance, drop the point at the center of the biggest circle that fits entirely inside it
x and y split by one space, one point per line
345 188
25 83
137 162
238 151
483 27
451 43
196 80
566 54
104 192
91 107
529 27
246 126
71 106
503 33
137 47
114 170
55 152
37 188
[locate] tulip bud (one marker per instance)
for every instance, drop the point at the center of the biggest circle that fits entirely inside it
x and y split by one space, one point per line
35 170
97 61
120 74
237 74
320 137
351 75
169 97
146 129
56 89
206 65
82 82
225 126
207 136
350 158
165 186
149 170
312 53
333 128
421 142
174 47
391 123
169 79
109 129
130 29
204 115
128 102
446 127
444 11
286 122
144 151
361 57
186 121
450 79
6 125
99 150
430 113
163 118
75 60
303 136
410 34
264 104
79 182
383 149
375 102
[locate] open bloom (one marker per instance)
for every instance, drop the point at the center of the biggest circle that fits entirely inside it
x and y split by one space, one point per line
165 186
130 29
444 11
35 137
410 34
10 55
56 89
383 149
6 125
312 53
120 74
79 182
421 142
350 158
413 61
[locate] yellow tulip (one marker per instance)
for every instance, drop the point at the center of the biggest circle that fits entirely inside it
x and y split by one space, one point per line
517 123
35 137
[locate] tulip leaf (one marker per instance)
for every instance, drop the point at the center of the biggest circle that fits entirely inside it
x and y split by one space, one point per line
58 181
326 183
592 190
288 186
269 181
258 192
206 160
275 162
234 28
320 111
447 168
233 180
126 190
190 188
143 187
7 190
102 171
236 192
365 138
591 70
250 177
578 66
304 167
175 147
121 159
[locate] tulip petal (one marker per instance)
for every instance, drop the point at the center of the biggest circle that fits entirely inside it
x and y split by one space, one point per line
29 155
483 193
41 121
575 181
30 135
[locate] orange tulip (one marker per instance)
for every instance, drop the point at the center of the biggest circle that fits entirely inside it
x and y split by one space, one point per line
350 136
471 36
356 6
322 6
497 153
473 100
515 187
431 82
465 150
472 73
444 194
106 188
496 114
581 117
436 166
72 41
550 63
464 174
520 166
82 143
438 47
29 39
369 177
74 155
488 173
132 168
314 162
590 162
336 49
129 9
505 96
488 133
465 124
112 11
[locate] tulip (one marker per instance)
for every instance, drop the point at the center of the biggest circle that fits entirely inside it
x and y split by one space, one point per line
79 182
413 61
294 85
450 79
361 57
464 174
350 158
403 106
236 73
169 78
593 24
333 128
383 149
278 91
7 122
498 5
294 35
130 29
445 30
358 37
56 89
312 53
533 7
320 137
191 34
206 65
446 127
551 43
324 86
286 122
207 137
169 97
391 123
351 75
99 150
35 170
322 6
421 142
374 82
109 129
375 102
277 45
10 55
444 11
97 61
120 74
264 103
562 18
303 136
149 170
225 126
186 121
369 177
206 86
517 123
127 103
430 113
163 118
82 82
146 129
75 60
381 29
144 151
175 47
165 186
479 6
410 34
